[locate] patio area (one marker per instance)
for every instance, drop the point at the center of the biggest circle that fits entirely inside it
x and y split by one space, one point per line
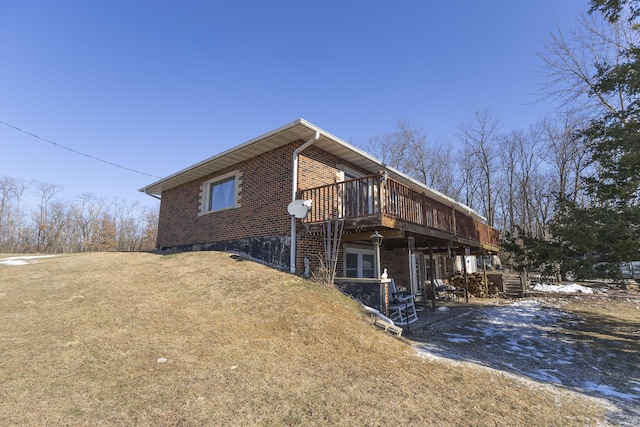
445 310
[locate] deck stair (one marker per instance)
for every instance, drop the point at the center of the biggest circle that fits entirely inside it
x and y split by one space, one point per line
512 284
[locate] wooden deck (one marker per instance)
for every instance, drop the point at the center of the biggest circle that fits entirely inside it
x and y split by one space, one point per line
375 201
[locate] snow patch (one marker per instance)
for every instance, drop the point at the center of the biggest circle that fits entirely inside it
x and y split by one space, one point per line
610 391
571 288
22 260
459 338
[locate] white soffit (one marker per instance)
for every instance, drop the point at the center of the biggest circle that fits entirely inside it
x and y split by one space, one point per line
297 130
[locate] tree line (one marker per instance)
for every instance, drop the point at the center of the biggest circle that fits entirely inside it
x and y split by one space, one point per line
33 219
566 190
512 178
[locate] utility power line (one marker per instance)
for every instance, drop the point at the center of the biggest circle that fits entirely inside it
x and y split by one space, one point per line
76 151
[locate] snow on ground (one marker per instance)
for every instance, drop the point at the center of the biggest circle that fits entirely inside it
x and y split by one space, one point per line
530 339
22 260
570 288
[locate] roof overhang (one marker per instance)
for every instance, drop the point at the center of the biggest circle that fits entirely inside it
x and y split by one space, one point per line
294 131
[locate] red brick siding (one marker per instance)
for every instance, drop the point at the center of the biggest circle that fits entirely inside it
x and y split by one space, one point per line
266 192
397 264
318 167
310 247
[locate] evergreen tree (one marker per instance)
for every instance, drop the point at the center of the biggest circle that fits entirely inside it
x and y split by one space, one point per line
597 237
529 252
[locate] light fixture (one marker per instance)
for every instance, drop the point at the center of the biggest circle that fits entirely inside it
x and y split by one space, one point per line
376 239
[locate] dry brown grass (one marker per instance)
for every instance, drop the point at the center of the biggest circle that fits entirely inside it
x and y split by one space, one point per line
84 338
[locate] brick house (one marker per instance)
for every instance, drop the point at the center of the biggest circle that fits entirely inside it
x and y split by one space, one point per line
238 201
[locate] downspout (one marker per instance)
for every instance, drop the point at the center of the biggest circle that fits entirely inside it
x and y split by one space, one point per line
296 153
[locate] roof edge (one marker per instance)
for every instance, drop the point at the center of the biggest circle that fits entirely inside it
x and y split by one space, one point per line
225 153
300 121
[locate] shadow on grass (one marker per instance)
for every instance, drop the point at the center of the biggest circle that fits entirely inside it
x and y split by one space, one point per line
235 256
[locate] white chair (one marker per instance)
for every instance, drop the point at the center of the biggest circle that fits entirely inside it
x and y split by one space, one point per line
402 308
446 292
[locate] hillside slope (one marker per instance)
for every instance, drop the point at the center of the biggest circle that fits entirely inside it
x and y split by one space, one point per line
210 339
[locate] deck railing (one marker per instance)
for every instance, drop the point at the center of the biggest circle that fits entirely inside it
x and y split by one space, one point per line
351 199
406 204
375 196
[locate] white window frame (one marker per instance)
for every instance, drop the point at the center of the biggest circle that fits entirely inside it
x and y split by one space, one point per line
350 173
205 192
359 252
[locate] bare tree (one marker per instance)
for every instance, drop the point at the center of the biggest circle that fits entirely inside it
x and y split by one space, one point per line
543 201
85 224
409 150
427 161
529 176
46 192
508 182
565 152
58 228
150 233
17 223
470 187
8 190
390 148
480 135
571 61
129 225
87 213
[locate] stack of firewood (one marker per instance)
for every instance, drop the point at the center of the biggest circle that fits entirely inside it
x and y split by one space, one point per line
476 285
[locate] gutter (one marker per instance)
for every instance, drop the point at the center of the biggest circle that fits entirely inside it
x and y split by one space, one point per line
294 190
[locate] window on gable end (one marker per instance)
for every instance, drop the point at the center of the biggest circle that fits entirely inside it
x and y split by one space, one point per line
221 193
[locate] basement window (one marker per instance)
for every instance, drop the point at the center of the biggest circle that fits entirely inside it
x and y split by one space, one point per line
221 193
358 263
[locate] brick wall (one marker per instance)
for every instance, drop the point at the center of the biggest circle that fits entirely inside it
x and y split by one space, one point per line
261 225
318 167
266 192
397 264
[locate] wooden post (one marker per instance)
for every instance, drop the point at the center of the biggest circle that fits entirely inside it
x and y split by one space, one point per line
524 280
484 272
466 278
422 275
381 193
432 274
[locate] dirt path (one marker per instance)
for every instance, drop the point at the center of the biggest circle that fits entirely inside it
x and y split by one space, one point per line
547 344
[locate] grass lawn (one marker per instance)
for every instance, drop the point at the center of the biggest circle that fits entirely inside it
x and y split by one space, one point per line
210 339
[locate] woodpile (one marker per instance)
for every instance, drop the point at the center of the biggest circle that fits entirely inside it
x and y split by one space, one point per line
476 285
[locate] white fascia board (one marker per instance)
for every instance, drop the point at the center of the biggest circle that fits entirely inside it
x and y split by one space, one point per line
220 155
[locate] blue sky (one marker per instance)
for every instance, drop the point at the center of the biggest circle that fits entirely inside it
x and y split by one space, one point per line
156 86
